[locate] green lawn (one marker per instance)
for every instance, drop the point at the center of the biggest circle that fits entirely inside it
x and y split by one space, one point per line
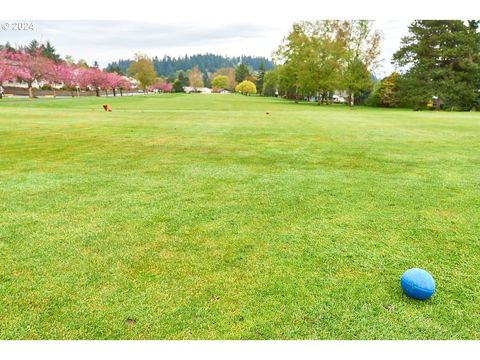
200 217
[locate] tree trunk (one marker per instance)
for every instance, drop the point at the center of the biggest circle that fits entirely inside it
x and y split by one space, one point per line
352 100
114 92
121 92
54 93
30 90
97 92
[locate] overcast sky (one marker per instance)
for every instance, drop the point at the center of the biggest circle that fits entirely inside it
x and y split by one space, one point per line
109 40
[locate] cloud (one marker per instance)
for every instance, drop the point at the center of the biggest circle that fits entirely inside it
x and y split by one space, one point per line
137 34
109 40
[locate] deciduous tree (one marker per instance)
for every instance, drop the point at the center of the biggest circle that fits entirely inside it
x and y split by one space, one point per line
195 78
246 88
113 81
36 68
230 74
220 82
8 69
361 55
311 59
385 93
95 79
61 73
270 83
142 69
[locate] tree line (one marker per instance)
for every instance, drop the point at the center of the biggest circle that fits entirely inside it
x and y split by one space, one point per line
226 78
318 58
39 63
207 63
438 65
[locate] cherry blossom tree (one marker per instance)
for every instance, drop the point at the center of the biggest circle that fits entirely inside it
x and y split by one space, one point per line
10 68
161 86
32 66
60 73
7 71
124 84
95 79
166 87
114 81
35 68
156 85
70 76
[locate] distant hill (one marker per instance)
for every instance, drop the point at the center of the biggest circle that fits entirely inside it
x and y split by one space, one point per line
207 63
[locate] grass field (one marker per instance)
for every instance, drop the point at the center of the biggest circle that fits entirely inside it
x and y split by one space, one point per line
200 217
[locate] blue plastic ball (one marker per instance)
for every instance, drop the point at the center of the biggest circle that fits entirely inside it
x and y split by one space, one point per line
418 284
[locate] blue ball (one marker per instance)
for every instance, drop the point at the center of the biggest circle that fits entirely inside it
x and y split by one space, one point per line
418 284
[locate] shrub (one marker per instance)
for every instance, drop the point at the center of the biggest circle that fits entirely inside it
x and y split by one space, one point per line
246 87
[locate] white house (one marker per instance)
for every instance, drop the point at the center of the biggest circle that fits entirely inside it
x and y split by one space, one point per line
202 90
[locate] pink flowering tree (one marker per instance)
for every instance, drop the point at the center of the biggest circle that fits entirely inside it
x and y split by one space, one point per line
166 87
114 81
7 71
95 79
61 73
70 77
156 85
75 79
124 84
35 68
10 68
161 86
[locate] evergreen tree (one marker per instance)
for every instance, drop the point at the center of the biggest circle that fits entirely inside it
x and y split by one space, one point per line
178 86
183 78
261 76
442 60
206 63
112 68
241 72
33 47
206 81
9 47
49 51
